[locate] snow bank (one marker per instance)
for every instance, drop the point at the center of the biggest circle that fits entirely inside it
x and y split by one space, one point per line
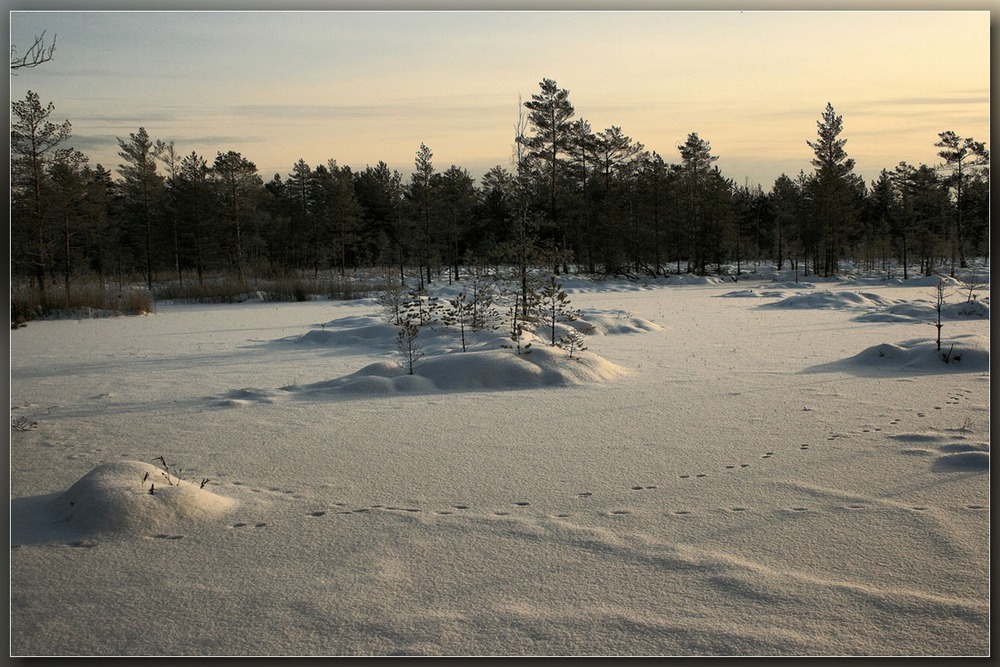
924 311
691 279
605 323
472 371
116 498
346 334
961 354
833 300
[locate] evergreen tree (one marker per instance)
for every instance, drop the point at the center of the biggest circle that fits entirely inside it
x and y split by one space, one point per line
142 187
300 213
550 117
238 181
68 192
787 207
195 208
615 153
696 169
34 140
554 307
963 158
924 207
421 194
379 192
344 213
460 313
497 211
882 210
100 247
456 195
831 189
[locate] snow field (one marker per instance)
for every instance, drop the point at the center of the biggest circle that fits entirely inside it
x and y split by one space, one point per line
714 476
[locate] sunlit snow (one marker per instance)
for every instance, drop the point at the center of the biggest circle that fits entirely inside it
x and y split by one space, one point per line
793 471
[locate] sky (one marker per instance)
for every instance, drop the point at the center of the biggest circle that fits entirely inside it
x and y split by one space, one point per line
362 87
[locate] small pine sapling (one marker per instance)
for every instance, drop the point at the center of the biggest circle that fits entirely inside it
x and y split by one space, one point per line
555 308
939 300
420 308
409 348
391 300
573 341
460 313
971 286
517 328
484 315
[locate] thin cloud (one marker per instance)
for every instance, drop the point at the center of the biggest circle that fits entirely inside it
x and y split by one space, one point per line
362 111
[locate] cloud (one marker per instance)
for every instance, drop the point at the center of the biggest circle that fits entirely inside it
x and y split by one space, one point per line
436 108
983 98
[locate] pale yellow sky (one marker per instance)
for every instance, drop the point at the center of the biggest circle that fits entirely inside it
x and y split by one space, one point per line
361 87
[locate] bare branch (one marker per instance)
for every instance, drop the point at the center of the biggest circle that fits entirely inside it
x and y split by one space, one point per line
36 55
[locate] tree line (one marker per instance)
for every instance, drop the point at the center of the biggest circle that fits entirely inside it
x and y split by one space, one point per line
573 199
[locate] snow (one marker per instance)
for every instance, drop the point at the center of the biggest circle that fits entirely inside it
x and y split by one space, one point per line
798 473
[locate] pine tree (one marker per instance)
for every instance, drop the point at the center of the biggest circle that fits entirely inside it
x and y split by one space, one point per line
238 179
420 193
142 185
963 157
831 189
409 349
34 140
554 307
573 341
550 115
460 313
696 167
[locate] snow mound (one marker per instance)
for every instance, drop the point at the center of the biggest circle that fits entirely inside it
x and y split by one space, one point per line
968 353
347 332
833 300
239 397
691 279
924 311
472 371
116 498
932 281
749 293
610 323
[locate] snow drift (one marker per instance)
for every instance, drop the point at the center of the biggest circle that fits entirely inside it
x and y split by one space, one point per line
132 496
967 353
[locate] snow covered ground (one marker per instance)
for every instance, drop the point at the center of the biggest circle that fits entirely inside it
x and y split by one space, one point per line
791 472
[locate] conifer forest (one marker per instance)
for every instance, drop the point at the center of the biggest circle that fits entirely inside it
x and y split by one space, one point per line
572 198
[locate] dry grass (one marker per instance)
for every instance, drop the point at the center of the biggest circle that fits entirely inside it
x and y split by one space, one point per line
230 290
28 303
